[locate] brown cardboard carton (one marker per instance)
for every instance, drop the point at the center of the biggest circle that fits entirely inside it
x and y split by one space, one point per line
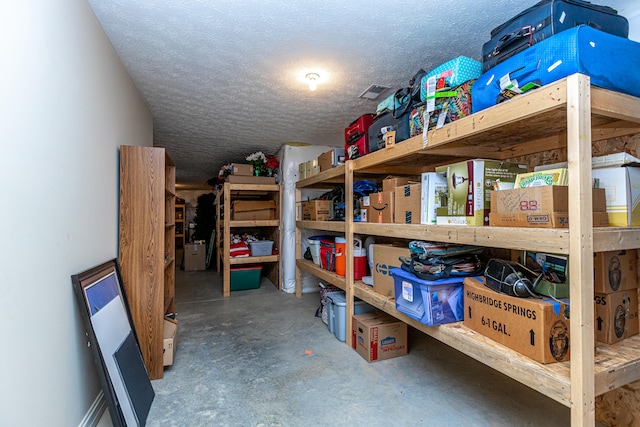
380 207
616 316
534 327
195 257
253 210
407 204
330 159
317 210
386 257
391 182
534 200
615 271
243 169
541 220
380 337
170 342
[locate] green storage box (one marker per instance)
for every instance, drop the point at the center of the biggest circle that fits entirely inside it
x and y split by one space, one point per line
245 277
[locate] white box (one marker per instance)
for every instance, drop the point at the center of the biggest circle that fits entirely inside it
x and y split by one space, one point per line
434 193
622 190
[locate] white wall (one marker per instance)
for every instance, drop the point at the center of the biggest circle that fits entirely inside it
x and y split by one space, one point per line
66 104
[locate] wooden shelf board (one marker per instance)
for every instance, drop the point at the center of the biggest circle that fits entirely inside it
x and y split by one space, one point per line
322 274
167 303
255 223
615 365
254 259
255 188
337 226
324 179
544 239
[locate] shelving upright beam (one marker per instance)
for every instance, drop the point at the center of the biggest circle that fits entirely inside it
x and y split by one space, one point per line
582 331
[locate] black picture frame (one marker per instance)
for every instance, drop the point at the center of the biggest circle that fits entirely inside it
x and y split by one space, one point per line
115 348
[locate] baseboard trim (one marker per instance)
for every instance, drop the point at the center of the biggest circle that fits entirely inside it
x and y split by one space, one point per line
93 415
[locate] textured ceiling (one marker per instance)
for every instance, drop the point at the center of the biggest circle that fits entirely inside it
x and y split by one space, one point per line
220 77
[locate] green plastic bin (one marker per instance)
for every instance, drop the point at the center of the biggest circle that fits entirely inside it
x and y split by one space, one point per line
245 277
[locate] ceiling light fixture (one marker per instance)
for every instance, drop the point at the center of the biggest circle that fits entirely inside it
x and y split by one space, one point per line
312 79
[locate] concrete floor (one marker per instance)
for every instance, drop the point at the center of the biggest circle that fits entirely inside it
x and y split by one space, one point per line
241 362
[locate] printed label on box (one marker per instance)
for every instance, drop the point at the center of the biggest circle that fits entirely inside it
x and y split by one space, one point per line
407 291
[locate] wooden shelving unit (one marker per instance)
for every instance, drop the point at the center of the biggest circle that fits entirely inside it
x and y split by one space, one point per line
270 228
181 230
147 245
567 114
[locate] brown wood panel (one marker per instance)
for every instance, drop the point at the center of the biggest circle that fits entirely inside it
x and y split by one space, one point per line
146 258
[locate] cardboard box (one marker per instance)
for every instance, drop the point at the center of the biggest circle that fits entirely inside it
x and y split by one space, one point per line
242 169
407 204
391 182
469 186
253 210
380 207
615 271
622 188
379 337
317 210
302 171
195 257
434 196
542 220
616 316
545 199
386 257
331 159
534 327
170 342
312 168
241 179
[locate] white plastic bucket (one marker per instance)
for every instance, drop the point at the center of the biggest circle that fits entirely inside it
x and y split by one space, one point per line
314 246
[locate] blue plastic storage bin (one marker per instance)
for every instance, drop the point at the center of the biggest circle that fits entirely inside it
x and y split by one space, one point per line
432 302
337 305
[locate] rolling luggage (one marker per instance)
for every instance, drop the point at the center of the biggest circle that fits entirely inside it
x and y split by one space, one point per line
610 61
545 19
357 148
358 127
450 74
400 124
449 106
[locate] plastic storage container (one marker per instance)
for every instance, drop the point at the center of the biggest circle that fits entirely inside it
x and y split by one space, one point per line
261 247
432 302
337 305
245 277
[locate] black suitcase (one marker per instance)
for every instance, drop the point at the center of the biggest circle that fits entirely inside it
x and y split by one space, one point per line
543 20
400 124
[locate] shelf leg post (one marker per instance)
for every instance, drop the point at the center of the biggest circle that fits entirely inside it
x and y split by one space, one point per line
582 338
348 218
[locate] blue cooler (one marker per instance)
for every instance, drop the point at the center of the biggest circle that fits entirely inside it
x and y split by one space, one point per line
432 302
610 61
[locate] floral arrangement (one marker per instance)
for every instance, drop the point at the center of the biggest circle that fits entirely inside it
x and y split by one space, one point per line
263 165
272 162
257 159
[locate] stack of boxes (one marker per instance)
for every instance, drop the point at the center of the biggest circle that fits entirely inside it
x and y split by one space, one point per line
616 295
323 162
